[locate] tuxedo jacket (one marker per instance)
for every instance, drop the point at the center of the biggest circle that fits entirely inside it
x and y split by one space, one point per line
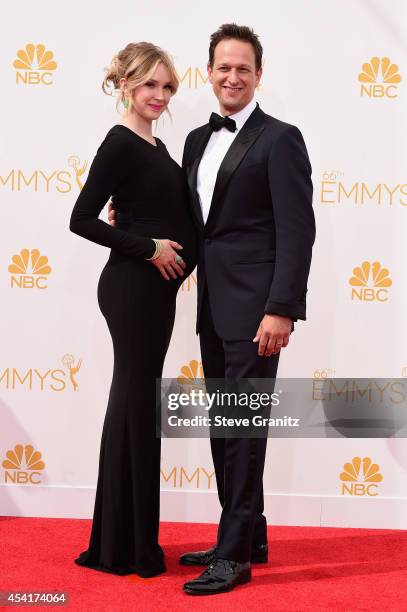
255 248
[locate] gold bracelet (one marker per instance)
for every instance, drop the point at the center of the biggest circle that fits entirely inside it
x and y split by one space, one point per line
158 249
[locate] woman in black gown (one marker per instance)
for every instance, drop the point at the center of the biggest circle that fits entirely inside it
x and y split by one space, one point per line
137 292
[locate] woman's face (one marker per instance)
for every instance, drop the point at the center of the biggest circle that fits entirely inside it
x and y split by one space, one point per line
152 98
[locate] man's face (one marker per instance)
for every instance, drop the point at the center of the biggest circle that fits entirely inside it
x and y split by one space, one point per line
233 75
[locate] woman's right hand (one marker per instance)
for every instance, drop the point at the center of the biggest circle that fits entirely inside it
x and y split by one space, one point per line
166 262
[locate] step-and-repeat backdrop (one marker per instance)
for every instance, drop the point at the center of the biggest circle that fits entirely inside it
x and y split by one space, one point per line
338 71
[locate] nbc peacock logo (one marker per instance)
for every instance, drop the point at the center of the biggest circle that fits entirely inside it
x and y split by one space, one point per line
29 270
360 477
192 376
370 282
190 283
23 465
191 372
34 65
379 78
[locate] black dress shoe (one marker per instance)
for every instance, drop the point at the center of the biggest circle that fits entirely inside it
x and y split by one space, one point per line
221 575
200 557
205 557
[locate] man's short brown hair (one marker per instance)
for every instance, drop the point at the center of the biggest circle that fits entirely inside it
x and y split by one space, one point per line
237 32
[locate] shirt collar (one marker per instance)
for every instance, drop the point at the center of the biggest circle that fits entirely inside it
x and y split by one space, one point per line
242 116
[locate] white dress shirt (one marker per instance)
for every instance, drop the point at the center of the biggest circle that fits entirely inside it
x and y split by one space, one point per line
215 151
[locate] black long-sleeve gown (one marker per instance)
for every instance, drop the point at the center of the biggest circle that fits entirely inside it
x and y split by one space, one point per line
151 199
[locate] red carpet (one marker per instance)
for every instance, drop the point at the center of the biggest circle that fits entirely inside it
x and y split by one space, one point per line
310 568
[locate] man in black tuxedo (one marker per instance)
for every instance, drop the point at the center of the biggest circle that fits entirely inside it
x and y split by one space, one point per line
251 192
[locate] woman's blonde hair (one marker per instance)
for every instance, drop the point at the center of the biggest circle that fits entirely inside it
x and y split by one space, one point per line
137 63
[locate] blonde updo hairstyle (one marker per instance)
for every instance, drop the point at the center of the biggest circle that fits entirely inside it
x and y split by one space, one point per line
136 63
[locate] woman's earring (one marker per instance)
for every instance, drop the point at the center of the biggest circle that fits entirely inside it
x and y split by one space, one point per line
125 103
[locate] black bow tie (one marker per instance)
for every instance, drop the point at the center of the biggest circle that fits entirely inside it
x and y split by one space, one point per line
217 122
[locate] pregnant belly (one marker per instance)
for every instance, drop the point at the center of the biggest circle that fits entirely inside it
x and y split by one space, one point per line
181 231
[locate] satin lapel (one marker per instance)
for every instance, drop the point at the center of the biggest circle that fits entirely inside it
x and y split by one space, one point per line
237 151
196 154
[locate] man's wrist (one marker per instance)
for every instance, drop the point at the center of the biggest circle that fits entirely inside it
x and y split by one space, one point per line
294 310
275 314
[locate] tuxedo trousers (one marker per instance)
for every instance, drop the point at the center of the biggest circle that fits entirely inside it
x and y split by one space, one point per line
238 462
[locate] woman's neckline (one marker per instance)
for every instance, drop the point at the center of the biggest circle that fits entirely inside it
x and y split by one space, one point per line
138 136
